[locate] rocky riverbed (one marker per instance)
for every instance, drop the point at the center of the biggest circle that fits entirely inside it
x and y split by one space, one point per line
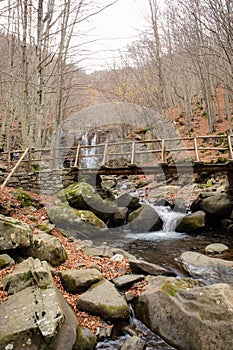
102 282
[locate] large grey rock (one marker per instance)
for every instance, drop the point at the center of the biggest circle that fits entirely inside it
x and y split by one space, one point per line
38 316
14 233
47 247
220 204
192 222
144 219
186 315
33 314
83 196
31 272
205 267
69 218
77 281
104 300
141 266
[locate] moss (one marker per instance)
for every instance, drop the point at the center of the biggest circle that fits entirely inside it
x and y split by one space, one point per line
44 228
2 263
172 289
85 340
24 198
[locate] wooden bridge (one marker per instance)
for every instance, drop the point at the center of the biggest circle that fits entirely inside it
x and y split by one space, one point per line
209 153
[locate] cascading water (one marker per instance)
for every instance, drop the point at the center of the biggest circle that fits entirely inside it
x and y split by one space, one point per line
170 218
87 161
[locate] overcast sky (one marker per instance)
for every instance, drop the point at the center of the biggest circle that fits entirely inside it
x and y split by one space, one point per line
113 29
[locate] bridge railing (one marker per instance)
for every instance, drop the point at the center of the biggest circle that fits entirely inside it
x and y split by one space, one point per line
208 148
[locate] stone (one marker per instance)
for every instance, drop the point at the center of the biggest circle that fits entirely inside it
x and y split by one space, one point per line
33 314
216 248
144 219
133 343
104 300
103 251
221 204
68 218
6 260
128 201
47 247
192 222
141 266
30 272
127 280
77 281
207 268
186 315
86 340
120 216
83 196
14 233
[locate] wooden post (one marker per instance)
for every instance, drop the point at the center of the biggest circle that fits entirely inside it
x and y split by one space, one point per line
230 147
196 149
163 152
15 167
8 161
30 160
133 153
105 158
76 163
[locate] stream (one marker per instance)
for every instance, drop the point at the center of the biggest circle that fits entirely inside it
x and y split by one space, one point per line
163 248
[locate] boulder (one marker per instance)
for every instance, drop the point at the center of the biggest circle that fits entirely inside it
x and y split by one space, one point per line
37 316
83 196
145 219
207 268
128 201
220 204
186 315
6 260
77 281
14 233
69 218
216 248
141 266
47 247
192 222
30 272
104 300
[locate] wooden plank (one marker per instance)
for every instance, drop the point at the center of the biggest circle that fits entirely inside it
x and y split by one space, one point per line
14 169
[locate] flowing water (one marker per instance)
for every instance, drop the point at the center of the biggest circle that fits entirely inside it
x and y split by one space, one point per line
163 248
88 162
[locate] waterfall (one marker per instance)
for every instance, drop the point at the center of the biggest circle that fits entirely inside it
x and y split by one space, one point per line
88 162
170 218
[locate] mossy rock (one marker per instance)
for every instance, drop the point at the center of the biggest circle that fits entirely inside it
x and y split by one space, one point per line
69 218
83 196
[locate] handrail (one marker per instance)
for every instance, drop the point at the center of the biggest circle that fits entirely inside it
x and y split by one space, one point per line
14 169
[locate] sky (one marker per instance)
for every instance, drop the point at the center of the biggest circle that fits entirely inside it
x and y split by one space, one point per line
112 30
